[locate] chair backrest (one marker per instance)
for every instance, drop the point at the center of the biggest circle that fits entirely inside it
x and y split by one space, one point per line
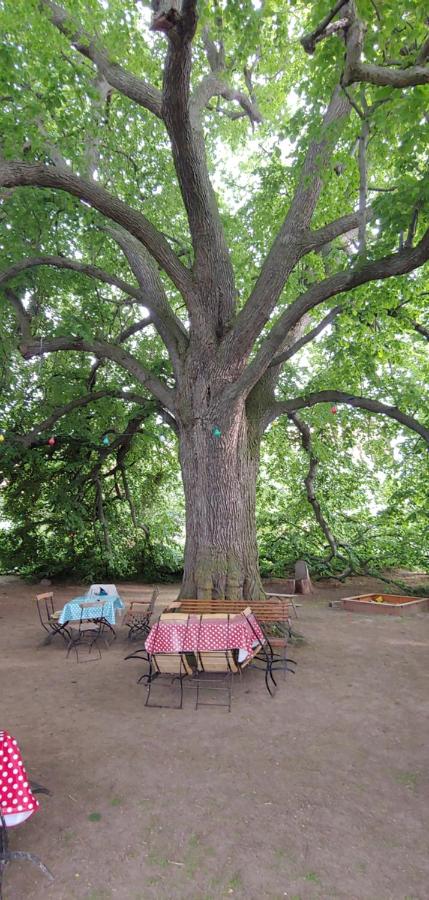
171 664
216 661
97 590
97 622
249 615
258 644
205 617
49 595
174 617
152 601
45 606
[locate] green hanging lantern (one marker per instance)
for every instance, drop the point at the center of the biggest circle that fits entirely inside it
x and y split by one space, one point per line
216 432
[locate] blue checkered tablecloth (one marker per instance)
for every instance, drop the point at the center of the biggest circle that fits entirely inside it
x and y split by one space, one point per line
106 606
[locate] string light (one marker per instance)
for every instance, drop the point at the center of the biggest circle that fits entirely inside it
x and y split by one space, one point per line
105 440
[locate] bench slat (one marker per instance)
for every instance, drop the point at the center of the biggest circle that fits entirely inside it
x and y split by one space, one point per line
265 610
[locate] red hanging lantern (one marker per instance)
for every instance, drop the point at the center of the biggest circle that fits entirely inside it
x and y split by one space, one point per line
51 441
334 410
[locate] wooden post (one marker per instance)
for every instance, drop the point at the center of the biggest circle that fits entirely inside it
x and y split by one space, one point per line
302 578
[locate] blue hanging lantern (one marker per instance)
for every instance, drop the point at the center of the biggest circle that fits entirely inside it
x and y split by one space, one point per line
106 441
216 432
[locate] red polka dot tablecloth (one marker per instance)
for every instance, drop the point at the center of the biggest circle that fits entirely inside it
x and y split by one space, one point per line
196 635
17 802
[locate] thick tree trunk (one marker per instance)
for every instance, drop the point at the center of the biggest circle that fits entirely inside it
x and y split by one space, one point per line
219 476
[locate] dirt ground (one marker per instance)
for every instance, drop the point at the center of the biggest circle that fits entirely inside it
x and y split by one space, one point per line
321 792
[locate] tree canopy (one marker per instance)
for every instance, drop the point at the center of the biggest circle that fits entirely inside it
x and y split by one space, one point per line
285 174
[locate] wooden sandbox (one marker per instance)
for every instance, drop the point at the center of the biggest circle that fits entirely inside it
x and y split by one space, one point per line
385 604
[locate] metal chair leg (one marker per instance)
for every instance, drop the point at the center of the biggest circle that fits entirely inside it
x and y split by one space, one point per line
106 624
7 856
267 685
37 788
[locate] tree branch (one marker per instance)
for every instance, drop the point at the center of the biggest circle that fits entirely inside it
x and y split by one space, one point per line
212 85
97 118
399 263
61 262
309 41
133 329
150 293
306 338
293 239
412 227
23 318
122 441
125 82
79 402
357 70
310 478
130 500
122 337
100 512
212 269
363 183
168 325
327 233
421 330
20 174
114 352
283 407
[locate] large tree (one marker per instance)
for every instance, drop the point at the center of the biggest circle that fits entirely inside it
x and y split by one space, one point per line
137 197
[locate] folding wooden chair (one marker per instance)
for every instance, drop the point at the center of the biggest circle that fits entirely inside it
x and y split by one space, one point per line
215 668
264 652
49 617
174 666
89 631
139 616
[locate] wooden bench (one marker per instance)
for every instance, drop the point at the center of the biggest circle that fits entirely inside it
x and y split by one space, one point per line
266 611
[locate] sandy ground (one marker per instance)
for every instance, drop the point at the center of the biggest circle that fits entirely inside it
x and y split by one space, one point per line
321 792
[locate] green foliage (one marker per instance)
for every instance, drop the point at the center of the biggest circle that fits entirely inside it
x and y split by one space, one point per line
372 477
371 485
49 500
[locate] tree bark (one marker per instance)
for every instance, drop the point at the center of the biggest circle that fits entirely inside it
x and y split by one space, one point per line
219 460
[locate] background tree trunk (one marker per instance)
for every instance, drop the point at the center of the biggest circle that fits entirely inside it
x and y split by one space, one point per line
219 476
